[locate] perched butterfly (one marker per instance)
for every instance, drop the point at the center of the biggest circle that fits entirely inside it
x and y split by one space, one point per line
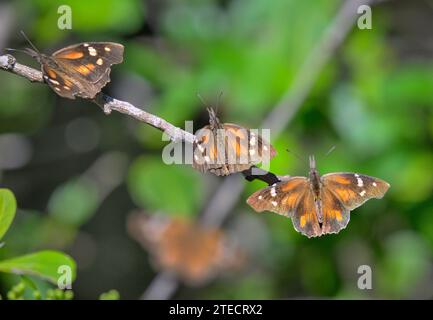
318 205
226 148
195 253
80 70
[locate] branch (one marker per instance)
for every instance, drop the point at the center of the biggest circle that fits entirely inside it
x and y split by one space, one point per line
255 173
107 103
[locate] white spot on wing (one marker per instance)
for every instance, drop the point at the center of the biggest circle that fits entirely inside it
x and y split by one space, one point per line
107 49
360 182
252 140
260 197
362 193
99 62
274 203
92 51
273 193
374 184
252 152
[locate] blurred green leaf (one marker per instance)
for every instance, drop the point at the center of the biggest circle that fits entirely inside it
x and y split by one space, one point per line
88 17
404 265
44 264
175 189
74 202
8 206
110 295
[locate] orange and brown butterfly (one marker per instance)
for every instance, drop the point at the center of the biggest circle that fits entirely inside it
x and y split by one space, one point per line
79 70
193 252
318 205
226 148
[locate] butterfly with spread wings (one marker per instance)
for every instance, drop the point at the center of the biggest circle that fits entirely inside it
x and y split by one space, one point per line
226 148
79 70
318 205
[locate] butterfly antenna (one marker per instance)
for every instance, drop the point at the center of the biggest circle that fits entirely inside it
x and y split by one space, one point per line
330 150
220 94
16 50
211 111
303 161
28 40
202 100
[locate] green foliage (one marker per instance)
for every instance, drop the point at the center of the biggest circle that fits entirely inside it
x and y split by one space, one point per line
174 189
42 264
89 16
74 202
110 295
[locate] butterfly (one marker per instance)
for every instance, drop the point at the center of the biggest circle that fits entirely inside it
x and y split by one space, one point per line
193 252
79 70
226 148
318 205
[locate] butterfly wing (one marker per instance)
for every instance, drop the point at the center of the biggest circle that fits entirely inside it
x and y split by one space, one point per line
305 216
229 149
353 189
335 215
246 147
89 64
282 197
292 198
205 151
60 82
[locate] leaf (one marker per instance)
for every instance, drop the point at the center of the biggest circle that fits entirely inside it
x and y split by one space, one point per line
110 295
43 264
173 189
74 202
8 206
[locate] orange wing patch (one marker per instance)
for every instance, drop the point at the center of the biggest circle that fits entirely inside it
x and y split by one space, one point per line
293 183
305 217
345 194
335 216
52 74
342 180
85 69
71 55
291 200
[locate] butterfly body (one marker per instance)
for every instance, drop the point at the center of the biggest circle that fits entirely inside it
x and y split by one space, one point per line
318 205
226 148
80 70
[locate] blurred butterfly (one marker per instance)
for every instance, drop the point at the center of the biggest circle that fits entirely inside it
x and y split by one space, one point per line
318 205
80 70
226 148
194 253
